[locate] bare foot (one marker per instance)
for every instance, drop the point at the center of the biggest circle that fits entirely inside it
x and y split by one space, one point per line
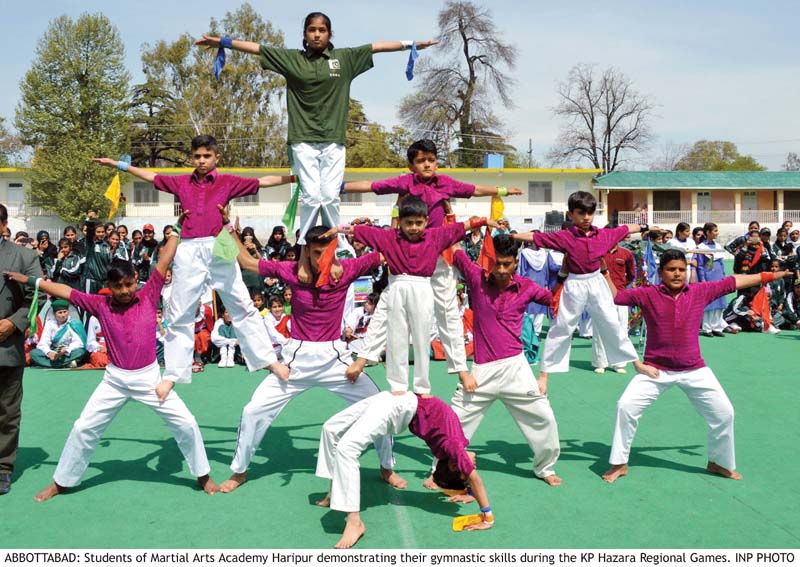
393 479
325 502
235 481
714 468
49 492
430 484
208 485
552 480
615 472
354 370
352 532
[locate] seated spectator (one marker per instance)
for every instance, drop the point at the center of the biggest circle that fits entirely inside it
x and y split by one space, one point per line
794 239
791 308
145 253
279 324
32 340
224 338
287 300
96 345
63 340
742 315
253 281
258 302
203 325
504 228
747 259
115 246
356 324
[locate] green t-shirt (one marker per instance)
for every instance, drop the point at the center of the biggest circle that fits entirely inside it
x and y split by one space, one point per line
318 86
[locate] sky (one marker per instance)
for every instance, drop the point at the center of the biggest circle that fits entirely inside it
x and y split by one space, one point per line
722 70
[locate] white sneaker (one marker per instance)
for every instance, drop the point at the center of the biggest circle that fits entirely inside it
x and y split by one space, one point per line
620 370
223 357
599 370
231 352
773 330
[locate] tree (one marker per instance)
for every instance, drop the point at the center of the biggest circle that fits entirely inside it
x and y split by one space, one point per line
368 144
243 110
160 130
605 118
73 107
670 154
461 87
707 155
792 162
10 145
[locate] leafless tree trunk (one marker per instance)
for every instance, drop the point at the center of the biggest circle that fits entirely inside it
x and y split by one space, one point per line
460 86
670 154
605 117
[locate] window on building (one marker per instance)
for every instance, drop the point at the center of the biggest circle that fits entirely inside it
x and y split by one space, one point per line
667 200
144 193
540 193
15 194
354 198
749 201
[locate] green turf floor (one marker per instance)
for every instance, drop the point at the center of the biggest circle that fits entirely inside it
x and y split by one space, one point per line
138 492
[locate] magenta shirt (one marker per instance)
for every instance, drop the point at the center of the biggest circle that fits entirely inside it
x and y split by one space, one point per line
673 324
201 196
410 258
129 330
441 188
585 251
498 314
438 425
317 312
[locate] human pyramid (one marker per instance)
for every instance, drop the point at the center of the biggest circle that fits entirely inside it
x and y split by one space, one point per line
424 272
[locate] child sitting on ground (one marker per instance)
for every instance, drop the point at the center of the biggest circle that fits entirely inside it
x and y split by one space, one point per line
224 338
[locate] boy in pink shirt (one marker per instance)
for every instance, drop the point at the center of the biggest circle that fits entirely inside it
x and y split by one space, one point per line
501 371
412 252
195 265
673 312
436 190
128 319
584 289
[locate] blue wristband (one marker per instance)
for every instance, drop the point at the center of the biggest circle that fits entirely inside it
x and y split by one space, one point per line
341 189
226 42
122 166
486 509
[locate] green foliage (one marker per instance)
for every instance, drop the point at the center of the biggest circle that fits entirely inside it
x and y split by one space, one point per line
160 131
243 110
369 145
73 107
707 155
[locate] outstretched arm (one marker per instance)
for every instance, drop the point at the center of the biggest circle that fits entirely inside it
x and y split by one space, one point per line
238 45
358 187
56 289
752 280
273 180
488 190
142 174
389 46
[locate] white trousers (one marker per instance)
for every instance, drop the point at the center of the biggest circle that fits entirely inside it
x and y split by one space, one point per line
585 292
103 405
320 171
707 397
599 359
348 434
312 365
714 321
538 322
511 381
193 268
410 311
445 313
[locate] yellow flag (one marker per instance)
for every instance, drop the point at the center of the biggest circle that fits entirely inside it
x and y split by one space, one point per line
113 194
498 208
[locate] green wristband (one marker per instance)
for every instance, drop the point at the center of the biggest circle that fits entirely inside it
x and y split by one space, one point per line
32 281
502 191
